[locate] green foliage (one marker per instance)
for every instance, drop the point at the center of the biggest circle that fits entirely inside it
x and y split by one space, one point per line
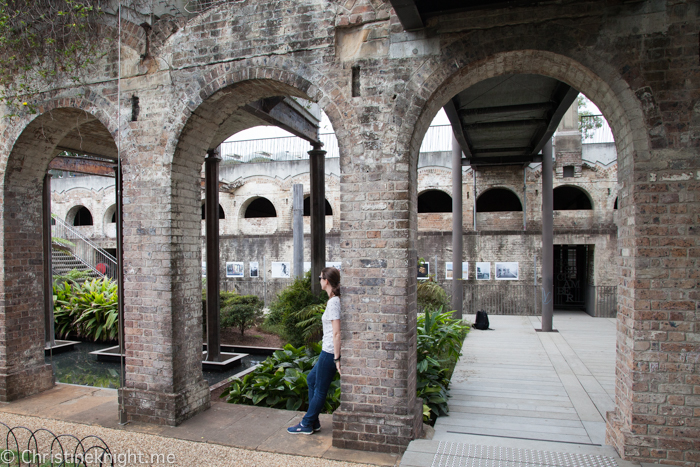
439 339
291 300
73 276
62 243
280 382
42 42
430 295
240 311
309 321
588 122
88 309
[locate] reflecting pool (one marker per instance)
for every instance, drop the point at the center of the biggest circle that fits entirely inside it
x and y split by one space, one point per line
79 367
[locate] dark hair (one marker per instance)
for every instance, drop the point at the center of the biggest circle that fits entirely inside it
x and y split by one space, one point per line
332 275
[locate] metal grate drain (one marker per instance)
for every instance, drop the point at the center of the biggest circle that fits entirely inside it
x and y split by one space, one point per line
470 455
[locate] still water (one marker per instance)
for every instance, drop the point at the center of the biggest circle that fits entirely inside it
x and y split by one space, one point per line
79 367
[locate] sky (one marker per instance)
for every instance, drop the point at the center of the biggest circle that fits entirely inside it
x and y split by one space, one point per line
260 132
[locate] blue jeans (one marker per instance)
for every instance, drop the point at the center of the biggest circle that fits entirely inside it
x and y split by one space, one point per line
319 380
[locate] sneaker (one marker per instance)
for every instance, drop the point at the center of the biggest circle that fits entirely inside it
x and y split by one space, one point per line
317 426
301 429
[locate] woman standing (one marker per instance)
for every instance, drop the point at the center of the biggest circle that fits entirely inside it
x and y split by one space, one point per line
321 375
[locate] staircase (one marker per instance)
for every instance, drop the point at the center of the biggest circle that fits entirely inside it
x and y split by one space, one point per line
82 255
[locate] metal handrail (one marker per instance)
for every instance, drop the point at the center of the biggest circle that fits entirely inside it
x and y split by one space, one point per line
85 251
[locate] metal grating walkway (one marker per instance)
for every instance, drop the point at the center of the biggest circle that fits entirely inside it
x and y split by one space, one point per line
470 455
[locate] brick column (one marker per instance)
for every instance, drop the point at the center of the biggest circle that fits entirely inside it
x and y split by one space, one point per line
379 409
657 415
23 371
162 289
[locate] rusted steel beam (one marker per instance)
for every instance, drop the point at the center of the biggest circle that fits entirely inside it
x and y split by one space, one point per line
82 166
277 112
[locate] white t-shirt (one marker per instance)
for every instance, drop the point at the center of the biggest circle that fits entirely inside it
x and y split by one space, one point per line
332 312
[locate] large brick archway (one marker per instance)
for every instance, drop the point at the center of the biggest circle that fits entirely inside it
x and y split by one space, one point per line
649 389
22 367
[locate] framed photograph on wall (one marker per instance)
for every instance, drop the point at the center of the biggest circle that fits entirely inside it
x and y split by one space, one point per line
423 270
483 271
254 269
307 266
333 264
281 270
507 271
465 270
234 269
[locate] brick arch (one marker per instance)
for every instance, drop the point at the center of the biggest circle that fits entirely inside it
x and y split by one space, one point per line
504 188
29 146
581 189
597 80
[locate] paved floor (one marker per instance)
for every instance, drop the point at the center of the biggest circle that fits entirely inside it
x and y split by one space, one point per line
521 389
239 426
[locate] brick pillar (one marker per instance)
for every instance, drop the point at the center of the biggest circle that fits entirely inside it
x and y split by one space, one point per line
23 371
657 411
162 289
379 409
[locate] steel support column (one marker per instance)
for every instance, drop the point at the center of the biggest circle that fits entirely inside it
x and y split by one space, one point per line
211 210
48 274
457 229
547 239
298 229
317 159
118 188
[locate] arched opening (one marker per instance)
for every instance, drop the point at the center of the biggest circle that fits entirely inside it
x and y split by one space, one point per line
307 207
615 205
619 102
498 200
571 198
222 214
434 201
82 217
35 149
260 207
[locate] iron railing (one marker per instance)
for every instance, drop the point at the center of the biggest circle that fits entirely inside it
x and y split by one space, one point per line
279 149
89 254
502 299
601 301
25 447
438 138
598 135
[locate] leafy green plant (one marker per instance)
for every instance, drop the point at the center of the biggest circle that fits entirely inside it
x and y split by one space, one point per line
309 321
291 300
73 276
439 345
431 295
88 309
241 311
280 382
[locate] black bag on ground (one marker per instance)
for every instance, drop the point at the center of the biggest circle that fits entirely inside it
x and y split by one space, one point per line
482 320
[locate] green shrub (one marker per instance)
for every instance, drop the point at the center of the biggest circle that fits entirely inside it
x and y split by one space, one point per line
240 311
291 300
88 309
439 346
430 294
309 321
280 382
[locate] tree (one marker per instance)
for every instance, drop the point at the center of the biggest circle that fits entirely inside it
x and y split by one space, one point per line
588 122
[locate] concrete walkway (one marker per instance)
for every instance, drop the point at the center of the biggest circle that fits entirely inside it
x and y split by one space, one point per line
521 389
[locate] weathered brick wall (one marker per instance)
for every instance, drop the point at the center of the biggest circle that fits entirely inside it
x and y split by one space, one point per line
637 61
